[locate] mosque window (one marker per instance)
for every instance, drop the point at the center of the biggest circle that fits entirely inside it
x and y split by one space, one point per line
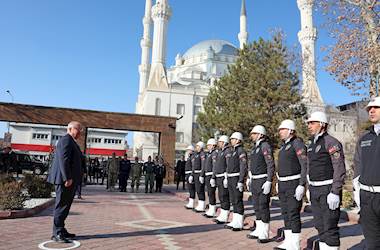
198 100
197 109
180 109
158 107
180 137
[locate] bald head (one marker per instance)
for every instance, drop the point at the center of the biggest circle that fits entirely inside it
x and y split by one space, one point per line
74 129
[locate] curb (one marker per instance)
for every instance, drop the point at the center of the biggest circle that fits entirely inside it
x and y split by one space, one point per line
13 214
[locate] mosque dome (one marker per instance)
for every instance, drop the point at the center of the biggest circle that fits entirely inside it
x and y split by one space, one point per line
220 47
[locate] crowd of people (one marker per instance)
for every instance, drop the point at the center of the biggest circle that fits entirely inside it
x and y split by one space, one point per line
318 166
122 170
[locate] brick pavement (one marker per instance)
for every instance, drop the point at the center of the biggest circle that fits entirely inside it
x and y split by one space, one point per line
116 220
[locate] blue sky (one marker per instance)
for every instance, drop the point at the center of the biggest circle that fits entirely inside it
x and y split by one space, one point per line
85 53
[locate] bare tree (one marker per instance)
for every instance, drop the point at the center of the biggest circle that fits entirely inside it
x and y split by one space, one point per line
354 59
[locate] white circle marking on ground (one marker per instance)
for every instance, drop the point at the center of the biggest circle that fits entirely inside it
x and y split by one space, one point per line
42 245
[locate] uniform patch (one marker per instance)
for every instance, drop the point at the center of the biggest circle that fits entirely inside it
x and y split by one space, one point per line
257 150
318 148
365 143
336 155
299 151
334 149
287 147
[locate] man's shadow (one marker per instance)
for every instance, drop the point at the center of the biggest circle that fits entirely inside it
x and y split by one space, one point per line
160 231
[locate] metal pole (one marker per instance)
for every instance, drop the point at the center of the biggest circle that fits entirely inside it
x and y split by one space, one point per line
12 100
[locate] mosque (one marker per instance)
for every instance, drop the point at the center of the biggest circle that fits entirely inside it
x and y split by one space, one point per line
180 90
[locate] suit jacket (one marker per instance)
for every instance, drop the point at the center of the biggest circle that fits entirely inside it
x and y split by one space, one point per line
67 163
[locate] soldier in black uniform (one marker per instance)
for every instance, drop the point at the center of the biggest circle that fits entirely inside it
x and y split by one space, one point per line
236 171
326 172
189 177
220 178
208 172
367 177
292 167
260 182
160 175
198 162
124 169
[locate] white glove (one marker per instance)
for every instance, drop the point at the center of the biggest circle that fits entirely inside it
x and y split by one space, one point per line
240 186
300 190
212 182
356 184
248 183
201 179
266 187
225 183
191 178
333 201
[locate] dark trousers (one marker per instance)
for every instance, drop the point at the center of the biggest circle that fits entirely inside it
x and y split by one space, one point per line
210 191
123 178
290 206
78 190
325 220
236 196
191 188
63 200
260 200
159 181
199 188
179 179
223 194
370 218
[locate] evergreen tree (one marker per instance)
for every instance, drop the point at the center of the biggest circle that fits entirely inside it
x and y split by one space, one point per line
259 89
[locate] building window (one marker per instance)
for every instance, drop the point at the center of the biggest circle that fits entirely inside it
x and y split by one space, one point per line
179 137
94 140
39 136
180 109
198 100
56 137
158 107
197 109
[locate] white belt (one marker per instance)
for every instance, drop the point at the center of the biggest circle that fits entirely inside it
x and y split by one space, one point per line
209 173
372 189
233 174
319 183
188 172
197 171
259 176
289 178
220 175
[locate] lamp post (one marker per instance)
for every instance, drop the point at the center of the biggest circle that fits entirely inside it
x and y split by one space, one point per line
12 100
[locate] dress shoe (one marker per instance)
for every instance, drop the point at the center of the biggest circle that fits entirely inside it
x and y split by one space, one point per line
69 235
236 229
60 238
252 237
263 241
227 227
219 222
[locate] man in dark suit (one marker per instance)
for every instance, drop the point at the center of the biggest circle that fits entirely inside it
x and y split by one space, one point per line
65 174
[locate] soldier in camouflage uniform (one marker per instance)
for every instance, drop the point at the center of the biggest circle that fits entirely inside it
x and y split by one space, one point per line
113 169
136 172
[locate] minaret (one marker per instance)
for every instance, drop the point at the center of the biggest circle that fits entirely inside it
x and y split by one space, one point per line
161 13
307 36
146 45
243 34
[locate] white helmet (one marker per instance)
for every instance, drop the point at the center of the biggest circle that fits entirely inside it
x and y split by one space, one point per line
237 135
288 124
190 147
211 141
259 129
223 138
375 102
200 144
318 116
